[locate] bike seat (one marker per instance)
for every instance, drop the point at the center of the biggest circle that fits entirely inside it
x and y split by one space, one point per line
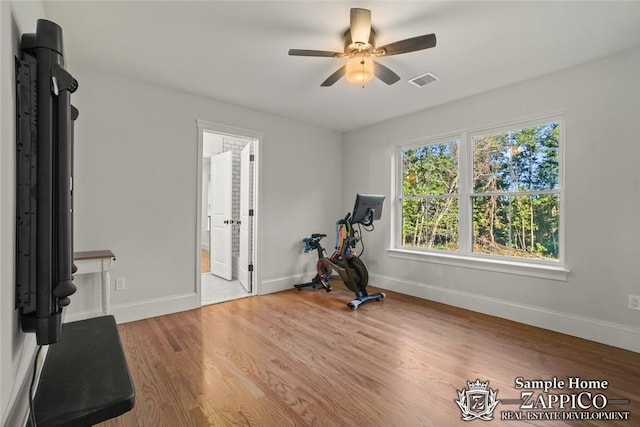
318 236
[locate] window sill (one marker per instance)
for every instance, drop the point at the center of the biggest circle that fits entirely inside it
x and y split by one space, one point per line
542 271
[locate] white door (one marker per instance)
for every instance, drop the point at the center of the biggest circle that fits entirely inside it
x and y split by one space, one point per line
221 215
244 275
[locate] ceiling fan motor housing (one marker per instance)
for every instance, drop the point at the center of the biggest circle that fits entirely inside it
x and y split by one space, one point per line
351 48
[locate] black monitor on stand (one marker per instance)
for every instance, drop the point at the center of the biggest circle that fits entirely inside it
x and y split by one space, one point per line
368 208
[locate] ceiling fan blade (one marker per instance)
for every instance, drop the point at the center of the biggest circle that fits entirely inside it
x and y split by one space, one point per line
334 77
408 45
360 25
384 73
319 53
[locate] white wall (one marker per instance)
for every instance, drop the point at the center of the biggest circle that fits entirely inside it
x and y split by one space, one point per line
135 193
601 101
17 349
135 188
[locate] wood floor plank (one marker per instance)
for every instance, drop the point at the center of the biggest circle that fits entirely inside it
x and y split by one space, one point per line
303 358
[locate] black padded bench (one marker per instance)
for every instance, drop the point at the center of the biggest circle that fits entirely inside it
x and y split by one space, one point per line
85 377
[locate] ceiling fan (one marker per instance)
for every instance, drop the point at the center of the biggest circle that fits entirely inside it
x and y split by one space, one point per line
359 47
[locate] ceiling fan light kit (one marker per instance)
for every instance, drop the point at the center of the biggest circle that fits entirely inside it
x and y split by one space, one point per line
359 47
359 70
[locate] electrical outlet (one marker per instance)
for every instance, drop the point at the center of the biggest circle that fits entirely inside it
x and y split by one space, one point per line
120 284
634 302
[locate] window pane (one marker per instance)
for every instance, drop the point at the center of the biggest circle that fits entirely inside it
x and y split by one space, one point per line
430 223
519 226
430 170
518 160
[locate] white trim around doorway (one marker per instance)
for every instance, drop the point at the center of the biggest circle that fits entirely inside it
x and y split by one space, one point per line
207 126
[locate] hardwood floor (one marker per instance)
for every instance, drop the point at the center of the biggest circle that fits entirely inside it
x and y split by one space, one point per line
303 358
205 260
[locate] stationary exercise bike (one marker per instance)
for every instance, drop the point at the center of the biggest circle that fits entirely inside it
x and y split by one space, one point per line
344 260
310 244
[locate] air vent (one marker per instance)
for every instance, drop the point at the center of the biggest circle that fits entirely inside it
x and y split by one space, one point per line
423 80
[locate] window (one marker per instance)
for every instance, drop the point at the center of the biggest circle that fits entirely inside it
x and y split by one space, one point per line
516 195
430 196
492 194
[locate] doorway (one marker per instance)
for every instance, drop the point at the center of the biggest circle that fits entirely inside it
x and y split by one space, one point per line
227 215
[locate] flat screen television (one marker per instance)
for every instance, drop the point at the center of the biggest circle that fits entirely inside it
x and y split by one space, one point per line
44 182
368 207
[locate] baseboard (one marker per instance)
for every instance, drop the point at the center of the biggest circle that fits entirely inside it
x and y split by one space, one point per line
282 283
155 307
18 410
604 332
138 310
18 413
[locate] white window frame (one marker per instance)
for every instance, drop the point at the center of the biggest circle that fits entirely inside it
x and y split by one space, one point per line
444 139
465 257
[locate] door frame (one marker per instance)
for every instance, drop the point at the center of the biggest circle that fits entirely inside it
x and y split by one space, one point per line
245 274
207 126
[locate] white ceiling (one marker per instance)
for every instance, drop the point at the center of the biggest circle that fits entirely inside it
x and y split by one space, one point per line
236 51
